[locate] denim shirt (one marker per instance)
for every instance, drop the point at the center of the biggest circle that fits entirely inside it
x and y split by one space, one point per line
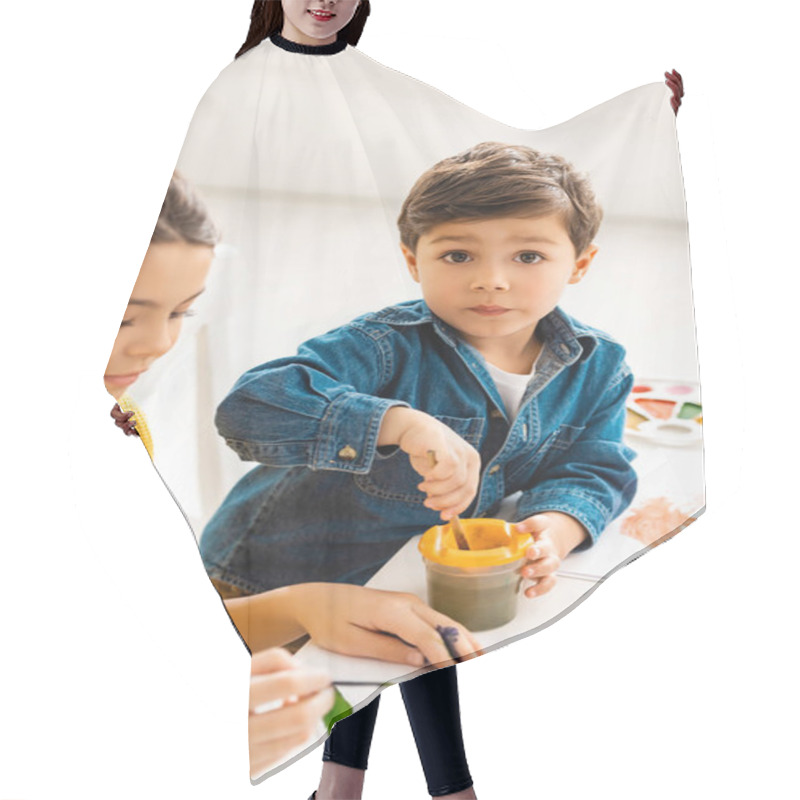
328 504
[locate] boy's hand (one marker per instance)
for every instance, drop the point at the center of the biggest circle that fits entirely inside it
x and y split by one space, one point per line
450 465
555 535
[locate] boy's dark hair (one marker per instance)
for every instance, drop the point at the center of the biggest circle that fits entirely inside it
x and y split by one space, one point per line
184 217
493 180
266 19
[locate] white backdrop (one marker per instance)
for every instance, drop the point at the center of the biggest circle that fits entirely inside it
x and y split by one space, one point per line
122 677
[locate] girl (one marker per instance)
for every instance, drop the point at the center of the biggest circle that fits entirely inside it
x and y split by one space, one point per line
172 276
304 23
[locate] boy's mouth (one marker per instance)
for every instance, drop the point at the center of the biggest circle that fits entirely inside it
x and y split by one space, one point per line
489 311
322 16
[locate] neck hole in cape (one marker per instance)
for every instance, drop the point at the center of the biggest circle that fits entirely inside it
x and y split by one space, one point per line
308 49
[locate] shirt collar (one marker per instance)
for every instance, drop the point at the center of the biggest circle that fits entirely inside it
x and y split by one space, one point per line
308 49
565 337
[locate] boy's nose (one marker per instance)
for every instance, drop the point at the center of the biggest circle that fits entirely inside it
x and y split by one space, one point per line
493 280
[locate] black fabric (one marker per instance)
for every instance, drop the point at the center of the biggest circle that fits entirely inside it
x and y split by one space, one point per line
431 702
308 49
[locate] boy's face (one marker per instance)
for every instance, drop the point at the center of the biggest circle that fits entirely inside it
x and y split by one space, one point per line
494 279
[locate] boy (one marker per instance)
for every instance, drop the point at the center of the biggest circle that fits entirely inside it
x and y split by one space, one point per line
483 390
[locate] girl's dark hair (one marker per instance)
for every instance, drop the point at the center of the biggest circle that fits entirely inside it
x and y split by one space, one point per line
184 217
266 19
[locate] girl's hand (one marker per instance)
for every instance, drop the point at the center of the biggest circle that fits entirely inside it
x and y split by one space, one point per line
287 703
450 465
555 535
675 83
371 623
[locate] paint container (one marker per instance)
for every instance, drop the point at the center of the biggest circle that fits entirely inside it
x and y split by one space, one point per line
665 412
478 587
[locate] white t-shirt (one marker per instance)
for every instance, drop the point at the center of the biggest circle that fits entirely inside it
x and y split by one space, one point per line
511 386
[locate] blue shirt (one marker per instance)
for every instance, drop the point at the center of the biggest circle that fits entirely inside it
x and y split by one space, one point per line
328 504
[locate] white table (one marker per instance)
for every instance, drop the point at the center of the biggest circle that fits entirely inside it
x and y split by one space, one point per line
672 472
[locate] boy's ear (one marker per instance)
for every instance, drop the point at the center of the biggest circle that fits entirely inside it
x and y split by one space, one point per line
411 262
582 263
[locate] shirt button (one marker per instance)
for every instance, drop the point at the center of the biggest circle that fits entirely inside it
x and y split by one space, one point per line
565 349
496 413
495 468
347 453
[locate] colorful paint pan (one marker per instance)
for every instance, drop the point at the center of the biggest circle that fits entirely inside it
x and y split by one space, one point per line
690 411
634 419
665 412
658 409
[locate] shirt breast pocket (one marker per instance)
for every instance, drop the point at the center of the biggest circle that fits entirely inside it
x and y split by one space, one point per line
393 478
560 440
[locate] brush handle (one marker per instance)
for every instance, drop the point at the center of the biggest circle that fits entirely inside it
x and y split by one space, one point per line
458 532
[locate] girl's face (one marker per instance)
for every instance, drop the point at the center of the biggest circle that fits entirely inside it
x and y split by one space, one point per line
173 274
316 22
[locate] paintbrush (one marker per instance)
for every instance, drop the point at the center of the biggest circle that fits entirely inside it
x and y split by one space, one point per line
455 522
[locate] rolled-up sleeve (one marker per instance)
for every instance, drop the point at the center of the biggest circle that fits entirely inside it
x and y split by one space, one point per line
318 409
592 479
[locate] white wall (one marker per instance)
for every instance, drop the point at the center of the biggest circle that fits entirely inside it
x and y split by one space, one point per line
121 676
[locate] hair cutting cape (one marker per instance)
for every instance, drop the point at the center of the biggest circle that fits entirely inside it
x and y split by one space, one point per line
304 160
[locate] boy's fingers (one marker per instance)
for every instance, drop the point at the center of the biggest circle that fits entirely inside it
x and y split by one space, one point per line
541 567
442 470
461 496
543 548
542 586
533 525
447 514
433 486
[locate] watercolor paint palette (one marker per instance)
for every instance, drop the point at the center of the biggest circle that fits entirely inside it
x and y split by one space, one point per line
665 412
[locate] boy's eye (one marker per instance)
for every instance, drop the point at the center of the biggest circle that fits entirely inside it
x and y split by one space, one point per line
529 258
456 257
